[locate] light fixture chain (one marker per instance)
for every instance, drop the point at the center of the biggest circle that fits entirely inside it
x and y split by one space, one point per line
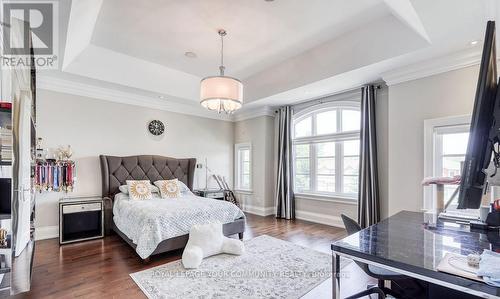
222 50
222 68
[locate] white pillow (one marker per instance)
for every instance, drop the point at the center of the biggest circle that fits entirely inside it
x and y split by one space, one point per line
124 189
139 190
206 240
169 188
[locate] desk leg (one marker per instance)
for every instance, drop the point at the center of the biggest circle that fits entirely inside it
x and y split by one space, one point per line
335 276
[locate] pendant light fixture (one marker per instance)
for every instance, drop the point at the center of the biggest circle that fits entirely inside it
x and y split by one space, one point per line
221 93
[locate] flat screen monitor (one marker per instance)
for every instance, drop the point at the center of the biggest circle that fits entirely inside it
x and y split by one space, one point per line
479 147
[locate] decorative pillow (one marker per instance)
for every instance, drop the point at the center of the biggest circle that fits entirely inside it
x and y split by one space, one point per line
124 189
169 188
139 190
206 240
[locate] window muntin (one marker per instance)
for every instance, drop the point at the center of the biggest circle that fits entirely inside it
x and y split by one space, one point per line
326 122
351 166
350 120
303 127
325 167
326 150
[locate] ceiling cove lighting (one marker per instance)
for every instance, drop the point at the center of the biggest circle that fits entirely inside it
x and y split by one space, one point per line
221 93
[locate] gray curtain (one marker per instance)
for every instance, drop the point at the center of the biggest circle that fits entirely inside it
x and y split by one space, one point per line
368 195
285 200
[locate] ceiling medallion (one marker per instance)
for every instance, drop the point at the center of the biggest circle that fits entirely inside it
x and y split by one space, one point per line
221 93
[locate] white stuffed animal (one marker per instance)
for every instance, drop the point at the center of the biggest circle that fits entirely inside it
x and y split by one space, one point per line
207 240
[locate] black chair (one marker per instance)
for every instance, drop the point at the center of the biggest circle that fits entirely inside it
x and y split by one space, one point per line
379 273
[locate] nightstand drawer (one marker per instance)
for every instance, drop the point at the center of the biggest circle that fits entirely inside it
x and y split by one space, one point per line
215 195
78 208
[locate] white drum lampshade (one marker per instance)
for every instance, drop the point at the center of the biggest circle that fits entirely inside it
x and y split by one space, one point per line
221 93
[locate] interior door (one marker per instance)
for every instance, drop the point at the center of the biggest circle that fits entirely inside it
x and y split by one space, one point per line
22 124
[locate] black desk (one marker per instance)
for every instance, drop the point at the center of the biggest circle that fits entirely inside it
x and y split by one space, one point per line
403 244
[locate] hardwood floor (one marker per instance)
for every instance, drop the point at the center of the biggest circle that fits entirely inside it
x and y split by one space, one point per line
101 268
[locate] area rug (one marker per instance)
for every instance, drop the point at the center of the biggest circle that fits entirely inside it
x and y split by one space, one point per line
270 268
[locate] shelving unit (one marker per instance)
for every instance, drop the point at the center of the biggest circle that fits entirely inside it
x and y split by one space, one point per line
5 273
5 136
6 147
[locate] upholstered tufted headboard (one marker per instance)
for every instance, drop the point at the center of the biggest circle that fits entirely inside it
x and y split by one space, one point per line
116 170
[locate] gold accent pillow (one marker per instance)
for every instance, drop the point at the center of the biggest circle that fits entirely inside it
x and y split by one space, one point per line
139 190
169 188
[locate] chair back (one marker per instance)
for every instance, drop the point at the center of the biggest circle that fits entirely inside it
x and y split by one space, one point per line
351 226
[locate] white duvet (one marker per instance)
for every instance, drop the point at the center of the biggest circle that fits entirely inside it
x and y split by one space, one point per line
148 222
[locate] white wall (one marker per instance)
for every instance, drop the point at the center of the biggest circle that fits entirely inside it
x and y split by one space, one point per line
93 127
259 132
410 103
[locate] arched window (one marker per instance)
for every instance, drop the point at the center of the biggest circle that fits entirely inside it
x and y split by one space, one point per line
326 149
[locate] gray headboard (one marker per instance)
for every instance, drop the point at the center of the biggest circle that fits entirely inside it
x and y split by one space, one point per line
116 170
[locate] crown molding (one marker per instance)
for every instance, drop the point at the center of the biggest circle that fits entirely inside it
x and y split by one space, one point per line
124 97
434 66
253 113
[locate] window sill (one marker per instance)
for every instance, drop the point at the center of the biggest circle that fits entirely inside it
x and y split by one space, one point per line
328 198
243 191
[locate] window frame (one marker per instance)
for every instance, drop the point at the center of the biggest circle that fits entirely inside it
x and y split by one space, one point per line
238 166
338 138
438 144
433 131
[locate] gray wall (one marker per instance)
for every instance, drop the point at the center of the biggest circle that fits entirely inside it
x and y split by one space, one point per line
96 127
410 103
259 132
93 127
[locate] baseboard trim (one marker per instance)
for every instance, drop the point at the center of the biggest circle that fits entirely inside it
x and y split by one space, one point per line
260 211
319 218
46 232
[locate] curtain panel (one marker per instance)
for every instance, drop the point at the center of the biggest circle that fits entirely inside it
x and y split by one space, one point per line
368 193
285 201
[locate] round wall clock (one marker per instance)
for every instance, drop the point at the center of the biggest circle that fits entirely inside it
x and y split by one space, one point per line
156 127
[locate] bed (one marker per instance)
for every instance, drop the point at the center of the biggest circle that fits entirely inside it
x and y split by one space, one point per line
157 226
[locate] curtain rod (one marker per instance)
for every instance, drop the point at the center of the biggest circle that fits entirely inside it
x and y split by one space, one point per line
377 86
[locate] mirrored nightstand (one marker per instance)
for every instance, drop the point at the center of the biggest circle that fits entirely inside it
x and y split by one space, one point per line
80 219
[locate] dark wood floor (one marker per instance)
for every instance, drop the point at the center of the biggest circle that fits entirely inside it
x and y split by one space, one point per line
100 269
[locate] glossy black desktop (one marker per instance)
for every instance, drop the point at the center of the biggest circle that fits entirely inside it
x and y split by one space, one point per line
404 242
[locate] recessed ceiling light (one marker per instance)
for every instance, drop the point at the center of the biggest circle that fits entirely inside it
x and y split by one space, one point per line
474 42
190 54
161 97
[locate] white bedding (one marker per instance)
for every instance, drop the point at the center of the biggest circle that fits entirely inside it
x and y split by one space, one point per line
148 222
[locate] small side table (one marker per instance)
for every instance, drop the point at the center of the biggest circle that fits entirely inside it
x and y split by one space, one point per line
211 193
80 219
